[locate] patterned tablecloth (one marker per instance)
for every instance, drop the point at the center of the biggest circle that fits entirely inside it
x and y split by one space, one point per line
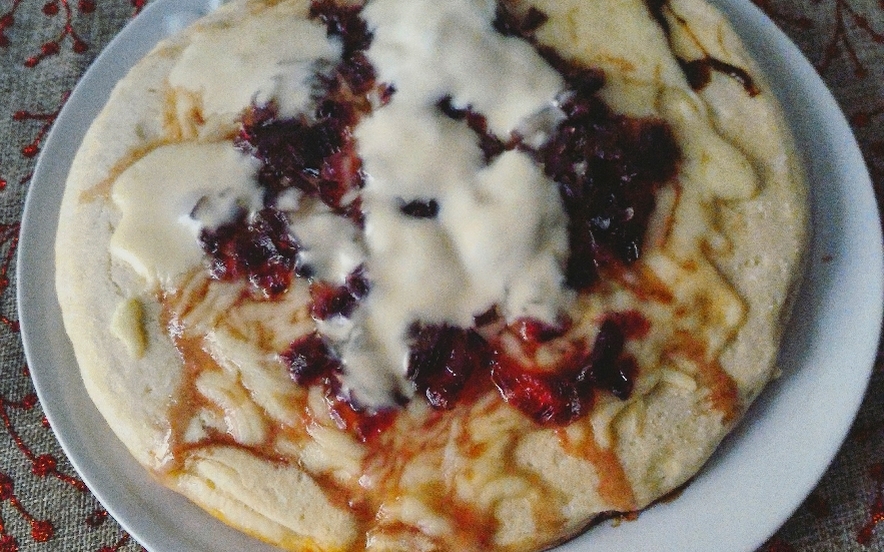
46 45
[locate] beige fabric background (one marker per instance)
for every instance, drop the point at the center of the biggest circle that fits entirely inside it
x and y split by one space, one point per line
46 45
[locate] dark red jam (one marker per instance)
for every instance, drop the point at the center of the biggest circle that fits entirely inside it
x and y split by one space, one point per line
329 300
442 360
491 145
566 393
344 22
419 208
609 168
537 332
699 73
363 423
315 154
310 359
256 247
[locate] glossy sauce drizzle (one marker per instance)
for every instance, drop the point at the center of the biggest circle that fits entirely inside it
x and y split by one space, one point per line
698 72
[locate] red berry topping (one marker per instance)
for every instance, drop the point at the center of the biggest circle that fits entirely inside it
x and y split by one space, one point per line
608 368
633 323
363 423
313 153
609 168
310 359
442 359
358 73
563 394
536 332
491 145
259 248
386 93
585 81
487 318
555 398
317 157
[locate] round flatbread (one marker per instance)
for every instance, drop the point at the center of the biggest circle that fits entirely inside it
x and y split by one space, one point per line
432 276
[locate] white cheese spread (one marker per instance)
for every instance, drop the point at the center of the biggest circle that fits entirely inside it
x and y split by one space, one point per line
272 55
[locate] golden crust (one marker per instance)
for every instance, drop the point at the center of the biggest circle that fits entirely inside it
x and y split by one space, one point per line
524 476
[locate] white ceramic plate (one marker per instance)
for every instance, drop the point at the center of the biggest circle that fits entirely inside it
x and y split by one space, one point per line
751 485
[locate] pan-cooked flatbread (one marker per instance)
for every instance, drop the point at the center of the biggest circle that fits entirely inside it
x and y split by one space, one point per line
424 275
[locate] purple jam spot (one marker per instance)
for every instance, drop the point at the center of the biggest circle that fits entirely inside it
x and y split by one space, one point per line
419 208
329 300
442 359
309 360
258 248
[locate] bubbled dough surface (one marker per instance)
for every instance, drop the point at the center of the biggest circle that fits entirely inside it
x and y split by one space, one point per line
662 437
